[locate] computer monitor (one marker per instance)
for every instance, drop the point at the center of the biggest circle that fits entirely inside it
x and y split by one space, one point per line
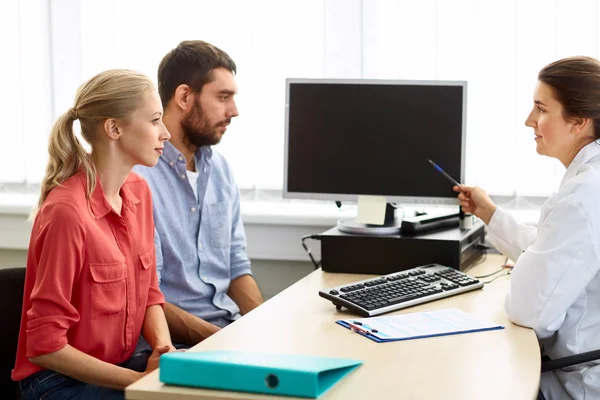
350 137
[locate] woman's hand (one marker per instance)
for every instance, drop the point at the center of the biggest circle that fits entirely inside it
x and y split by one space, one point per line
475 201
153 360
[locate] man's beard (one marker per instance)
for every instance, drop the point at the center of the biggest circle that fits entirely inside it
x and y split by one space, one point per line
197 129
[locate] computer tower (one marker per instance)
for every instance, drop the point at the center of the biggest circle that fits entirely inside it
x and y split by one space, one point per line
365 254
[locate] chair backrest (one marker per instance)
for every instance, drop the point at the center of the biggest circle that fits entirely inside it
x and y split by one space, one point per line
12 282
563 362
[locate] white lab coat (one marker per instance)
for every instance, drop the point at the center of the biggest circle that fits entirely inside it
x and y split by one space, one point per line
555 285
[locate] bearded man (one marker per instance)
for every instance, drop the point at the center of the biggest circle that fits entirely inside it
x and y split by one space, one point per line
203 269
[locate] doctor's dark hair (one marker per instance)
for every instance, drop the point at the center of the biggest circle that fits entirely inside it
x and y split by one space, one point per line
575 82
190 63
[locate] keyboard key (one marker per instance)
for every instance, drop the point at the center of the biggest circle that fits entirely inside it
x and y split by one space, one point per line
375 282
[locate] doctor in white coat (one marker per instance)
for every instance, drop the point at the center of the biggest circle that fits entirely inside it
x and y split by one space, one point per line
555 285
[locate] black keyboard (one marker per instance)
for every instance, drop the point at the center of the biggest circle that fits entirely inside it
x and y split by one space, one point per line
402 289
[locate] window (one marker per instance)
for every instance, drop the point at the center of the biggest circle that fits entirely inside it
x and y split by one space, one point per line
26 101
498 47
50 48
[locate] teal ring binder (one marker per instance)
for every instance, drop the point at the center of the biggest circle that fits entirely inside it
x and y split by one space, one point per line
282 374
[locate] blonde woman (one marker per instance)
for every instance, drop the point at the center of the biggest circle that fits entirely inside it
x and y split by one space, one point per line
91 286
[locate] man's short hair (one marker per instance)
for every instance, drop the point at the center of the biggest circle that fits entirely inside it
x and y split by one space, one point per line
190 63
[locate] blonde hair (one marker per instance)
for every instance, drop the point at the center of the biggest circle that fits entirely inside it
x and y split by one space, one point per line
110 94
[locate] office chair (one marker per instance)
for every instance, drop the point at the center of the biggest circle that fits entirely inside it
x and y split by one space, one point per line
12 282
549 365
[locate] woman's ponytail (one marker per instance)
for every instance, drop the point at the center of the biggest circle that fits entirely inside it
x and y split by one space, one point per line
66 156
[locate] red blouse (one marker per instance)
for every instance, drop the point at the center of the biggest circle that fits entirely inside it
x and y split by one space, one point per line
91 274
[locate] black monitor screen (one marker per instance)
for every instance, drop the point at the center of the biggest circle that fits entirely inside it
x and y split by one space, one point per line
373 138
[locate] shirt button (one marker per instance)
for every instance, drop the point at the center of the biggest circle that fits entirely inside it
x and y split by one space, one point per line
182 176
200 246
193 209
180 158
171 163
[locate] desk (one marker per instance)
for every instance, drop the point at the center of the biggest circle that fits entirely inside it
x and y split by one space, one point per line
500 364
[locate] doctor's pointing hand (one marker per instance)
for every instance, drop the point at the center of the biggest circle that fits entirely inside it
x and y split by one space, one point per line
475 201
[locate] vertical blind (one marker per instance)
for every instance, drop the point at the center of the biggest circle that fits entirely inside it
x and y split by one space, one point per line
49 48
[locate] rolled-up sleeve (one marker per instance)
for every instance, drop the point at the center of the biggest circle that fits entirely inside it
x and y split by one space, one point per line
155 296
159 255
240 263
59 251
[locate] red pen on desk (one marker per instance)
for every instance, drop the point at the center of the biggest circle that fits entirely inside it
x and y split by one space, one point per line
357 329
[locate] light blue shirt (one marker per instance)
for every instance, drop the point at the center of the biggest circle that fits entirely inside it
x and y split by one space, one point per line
200 244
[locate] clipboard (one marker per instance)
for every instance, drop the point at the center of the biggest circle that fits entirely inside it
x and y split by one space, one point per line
418 325
281 374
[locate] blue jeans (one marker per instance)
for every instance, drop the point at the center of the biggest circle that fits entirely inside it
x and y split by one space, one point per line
51 385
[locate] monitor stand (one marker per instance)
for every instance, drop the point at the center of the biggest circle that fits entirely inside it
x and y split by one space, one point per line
390 225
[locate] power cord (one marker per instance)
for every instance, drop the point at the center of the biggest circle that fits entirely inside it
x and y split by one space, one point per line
499 276
492 274
307 249
504 267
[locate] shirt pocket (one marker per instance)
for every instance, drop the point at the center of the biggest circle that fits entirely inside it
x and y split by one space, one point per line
219 223
108 291
147 262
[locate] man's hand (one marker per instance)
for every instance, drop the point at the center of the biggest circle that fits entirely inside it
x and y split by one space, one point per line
186 328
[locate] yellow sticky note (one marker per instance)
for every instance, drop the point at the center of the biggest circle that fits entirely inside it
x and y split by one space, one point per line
371 210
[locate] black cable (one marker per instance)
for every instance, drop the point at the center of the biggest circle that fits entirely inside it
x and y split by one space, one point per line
484 246
315 237
480 261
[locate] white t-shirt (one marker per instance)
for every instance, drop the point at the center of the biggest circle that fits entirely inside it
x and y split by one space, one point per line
193 179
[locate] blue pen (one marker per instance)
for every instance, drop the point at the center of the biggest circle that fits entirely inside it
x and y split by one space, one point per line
451 179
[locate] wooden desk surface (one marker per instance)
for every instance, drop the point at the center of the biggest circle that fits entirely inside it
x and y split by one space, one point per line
500 364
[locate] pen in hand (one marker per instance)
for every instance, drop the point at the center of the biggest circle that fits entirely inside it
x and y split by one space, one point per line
451 179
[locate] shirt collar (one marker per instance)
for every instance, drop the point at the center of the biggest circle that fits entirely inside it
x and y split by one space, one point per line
130 200
584 155
100 205
171 154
